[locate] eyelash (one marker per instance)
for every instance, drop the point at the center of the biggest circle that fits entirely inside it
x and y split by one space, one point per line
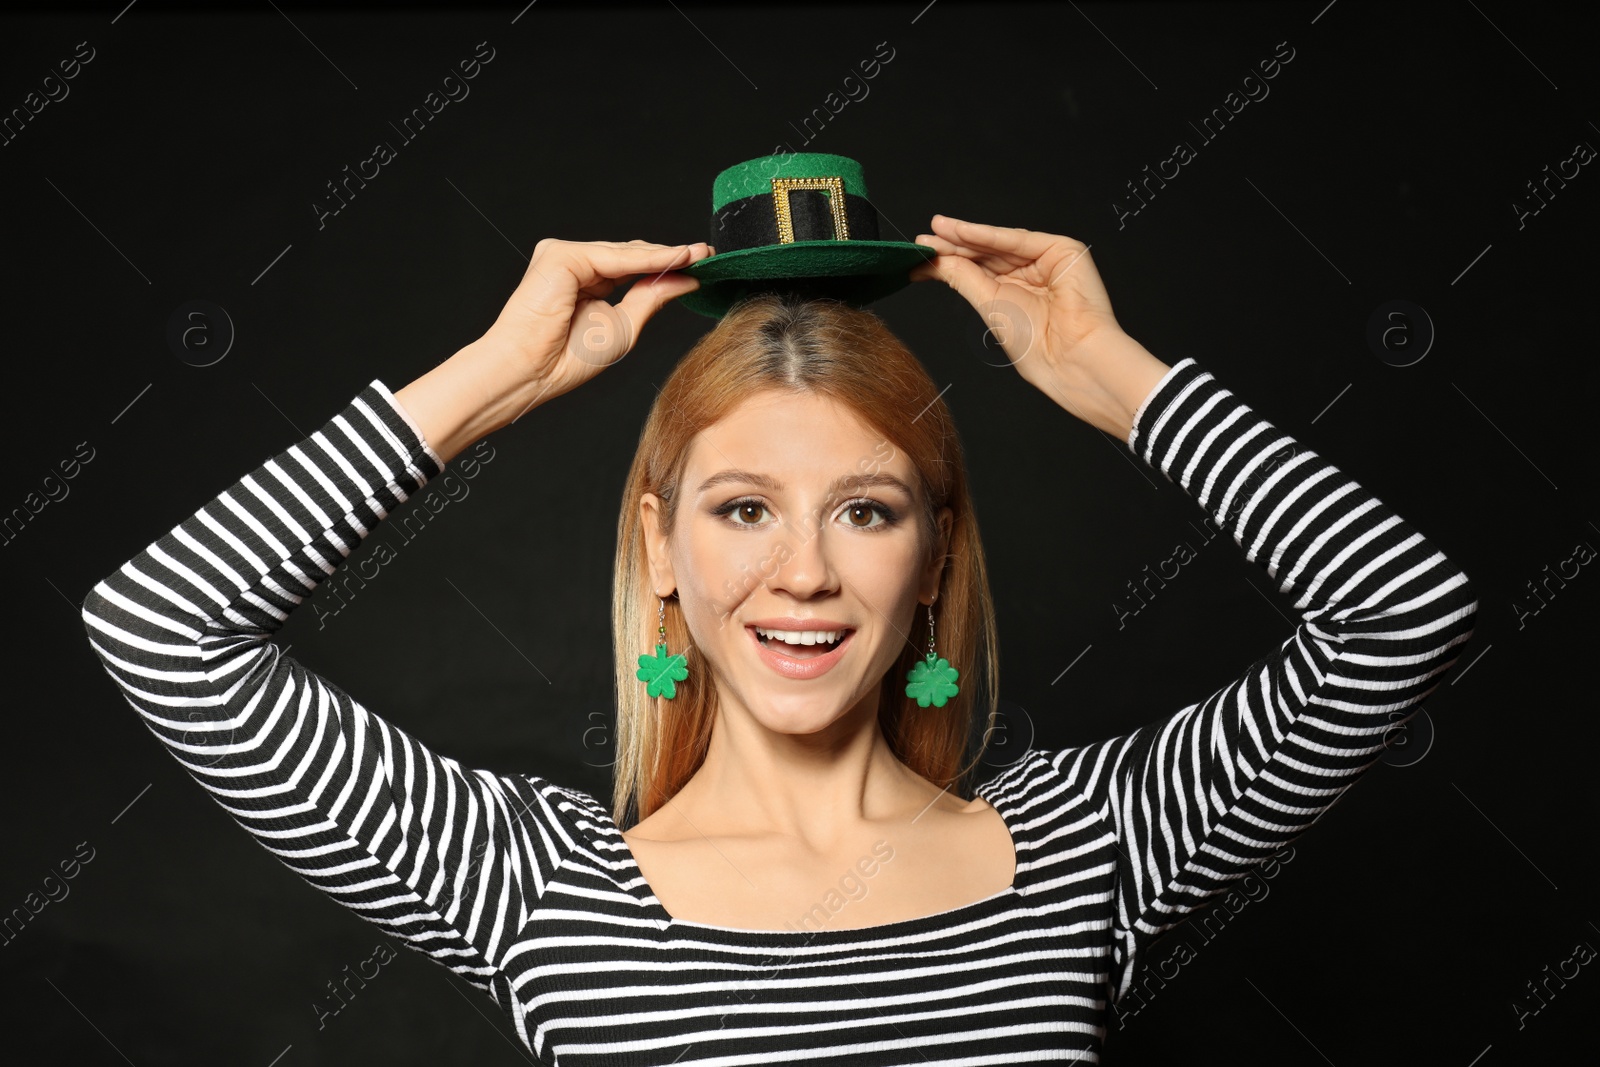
890 516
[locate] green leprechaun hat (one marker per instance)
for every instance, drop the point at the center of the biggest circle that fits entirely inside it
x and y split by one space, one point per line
799 221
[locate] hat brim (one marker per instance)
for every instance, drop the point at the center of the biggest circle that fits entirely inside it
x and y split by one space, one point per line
855 271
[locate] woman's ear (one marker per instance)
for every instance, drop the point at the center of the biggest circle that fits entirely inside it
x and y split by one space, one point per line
662 581
943 523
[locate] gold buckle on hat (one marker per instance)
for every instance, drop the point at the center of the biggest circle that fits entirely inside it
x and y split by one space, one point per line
833 186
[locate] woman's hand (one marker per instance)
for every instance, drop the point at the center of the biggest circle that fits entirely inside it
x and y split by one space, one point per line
558 324
1042 297
556 331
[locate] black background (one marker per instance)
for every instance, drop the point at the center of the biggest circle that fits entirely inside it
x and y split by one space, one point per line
1383 166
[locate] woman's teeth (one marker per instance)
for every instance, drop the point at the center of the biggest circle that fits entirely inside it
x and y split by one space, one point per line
800 644
801 637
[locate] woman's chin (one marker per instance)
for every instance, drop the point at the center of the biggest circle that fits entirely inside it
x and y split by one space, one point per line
801 714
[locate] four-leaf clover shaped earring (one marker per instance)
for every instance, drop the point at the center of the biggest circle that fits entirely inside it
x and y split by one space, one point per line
660 671
932 680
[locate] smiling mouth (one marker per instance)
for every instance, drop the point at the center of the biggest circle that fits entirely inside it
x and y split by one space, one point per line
801 652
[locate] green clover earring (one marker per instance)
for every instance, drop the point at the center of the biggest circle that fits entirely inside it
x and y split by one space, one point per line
933 680
660 671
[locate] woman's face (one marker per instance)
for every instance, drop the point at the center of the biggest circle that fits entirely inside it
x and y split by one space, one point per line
796 515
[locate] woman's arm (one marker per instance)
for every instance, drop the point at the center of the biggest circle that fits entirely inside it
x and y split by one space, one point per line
446 858
1200 798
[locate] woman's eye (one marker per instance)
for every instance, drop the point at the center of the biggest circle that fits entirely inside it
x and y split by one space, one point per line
857 514
867 511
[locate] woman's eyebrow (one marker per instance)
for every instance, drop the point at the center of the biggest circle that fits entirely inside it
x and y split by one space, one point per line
842 484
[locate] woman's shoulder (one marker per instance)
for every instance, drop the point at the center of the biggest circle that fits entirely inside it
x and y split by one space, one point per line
1042 800
542 799
1011 770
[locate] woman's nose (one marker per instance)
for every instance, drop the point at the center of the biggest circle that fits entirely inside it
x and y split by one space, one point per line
805 567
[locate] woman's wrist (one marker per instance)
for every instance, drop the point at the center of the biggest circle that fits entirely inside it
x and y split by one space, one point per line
463 399
1105 381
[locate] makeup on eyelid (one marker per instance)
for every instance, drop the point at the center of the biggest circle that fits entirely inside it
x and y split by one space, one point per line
890 515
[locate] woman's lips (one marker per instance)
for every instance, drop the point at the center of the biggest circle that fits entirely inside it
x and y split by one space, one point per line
799 669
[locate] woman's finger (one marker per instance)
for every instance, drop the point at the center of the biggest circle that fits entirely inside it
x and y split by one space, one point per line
940 245
648 296
969 279
1017 245
943 250
696 252
590 262
997 261
599 290
988 261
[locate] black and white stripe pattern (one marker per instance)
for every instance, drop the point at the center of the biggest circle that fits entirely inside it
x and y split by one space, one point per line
528 890
1200 798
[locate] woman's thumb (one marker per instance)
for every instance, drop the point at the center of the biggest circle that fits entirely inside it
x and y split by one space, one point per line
648 295
961 274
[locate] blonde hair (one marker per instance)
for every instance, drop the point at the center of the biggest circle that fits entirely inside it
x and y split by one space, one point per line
829 348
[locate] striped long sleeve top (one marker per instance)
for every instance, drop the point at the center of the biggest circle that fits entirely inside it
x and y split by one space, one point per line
527 889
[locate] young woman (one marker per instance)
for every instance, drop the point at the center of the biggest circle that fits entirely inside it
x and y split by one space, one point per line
810 879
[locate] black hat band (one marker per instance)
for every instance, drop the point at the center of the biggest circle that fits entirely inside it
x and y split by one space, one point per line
757 220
